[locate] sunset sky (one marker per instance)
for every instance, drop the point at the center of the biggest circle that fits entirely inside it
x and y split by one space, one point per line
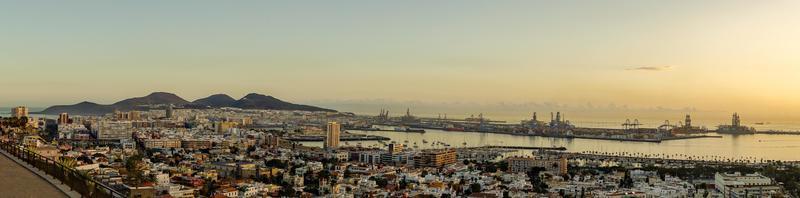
709 55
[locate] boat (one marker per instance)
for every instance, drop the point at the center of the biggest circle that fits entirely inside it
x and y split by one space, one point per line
415 130
407 129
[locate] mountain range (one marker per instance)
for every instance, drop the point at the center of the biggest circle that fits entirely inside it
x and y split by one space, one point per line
250 101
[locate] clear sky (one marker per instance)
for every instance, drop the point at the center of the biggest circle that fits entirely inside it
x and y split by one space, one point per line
714 55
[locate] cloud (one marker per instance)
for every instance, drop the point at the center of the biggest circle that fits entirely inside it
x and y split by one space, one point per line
650 68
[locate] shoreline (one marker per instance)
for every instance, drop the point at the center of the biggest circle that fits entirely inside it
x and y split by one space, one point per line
343 138
586 137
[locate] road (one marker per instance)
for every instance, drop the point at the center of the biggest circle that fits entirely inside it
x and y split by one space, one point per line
16 181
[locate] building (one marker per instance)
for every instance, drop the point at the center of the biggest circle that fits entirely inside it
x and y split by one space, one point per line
223 127
170 111
520 164
369 157
20 111
395 148
113 130
51 152
341 156
746 185
196 144
435 158
523 164
272 140
332 135
33 141
129 115
162 143
63 118
397 159
140 192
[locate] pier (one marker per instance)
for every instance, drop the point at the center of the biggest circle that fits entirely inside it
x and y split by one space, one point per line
527 148
343 138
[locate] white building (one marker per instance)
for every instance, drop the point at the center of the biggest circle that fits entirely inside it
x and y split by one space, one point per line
746 185
112 130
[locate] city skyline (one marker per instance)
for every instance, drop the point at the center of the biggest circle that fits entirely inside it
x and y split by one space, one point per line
712 56
413 98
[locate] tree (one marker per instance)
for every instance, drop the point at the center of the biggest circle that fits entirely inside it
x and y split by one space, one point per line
325 174
135 168
626 182
539 186
287 191
403 183
313 189
275 163
503 165
209 188
491 168
475 188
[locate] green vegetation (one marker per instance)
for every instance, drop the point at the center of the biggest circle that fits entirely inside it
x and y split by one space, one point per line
135 167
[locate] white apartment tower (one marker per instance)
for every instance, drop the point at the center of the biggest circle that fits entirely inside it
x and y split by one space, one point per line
332 135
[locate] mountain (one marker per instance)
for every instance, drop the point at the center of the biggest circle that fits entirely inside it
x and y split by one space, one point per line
251 101
83 108
154 98
216 100
259 101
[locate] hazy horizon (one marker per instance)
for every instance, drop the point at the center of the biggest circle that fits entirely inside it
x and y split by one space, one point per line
657 58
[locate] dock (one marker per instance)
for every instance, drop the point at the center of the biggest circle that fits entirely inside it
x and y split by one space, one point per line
343 138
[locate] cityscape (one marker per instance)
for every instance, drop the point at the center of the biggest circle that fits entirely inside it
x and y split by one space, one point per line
411 99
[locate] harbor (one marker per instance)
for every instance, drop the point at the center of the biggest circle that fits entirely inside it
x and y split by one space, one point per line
316 138
768 147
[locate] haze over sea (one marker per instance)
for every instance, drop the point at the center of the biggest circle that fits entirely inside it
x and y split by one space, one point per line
596 118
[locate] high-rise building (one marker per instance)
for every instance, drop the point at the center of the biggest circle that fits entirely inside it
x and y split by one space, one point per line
332 135
20 111
63 118
169 111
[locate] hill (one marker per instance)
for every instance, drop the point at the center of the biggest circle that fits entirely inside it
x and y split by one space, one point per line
251 101
259 101
216 100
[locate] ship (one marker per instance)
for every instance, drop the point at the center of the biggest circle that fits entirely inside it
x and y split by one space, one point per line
407 129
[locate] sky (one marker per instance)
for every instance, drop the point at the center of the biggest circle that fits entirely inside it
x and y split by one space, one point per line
706 56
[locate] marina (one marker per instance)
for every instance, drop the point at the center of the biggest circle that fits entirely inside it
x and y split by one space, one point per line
760 146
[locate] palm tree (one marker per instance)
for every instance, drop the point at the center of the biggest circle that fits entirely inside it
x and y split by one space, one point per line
67 162
135 168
